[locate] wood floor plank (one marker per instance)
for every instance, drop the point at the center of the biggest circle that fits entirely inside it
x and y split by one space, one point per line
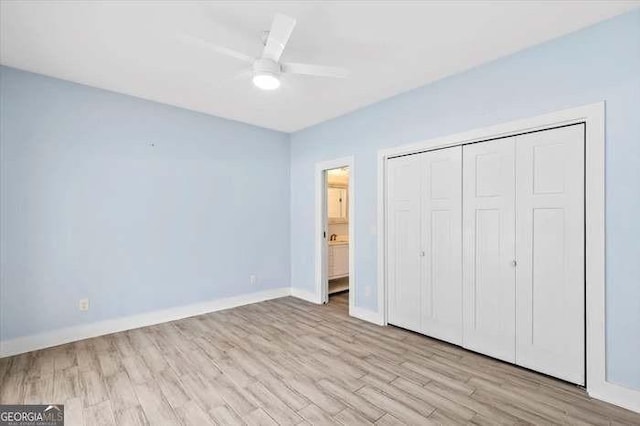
5 366
259 417
121 392
523 414
137 369
153 358
319 396
66 385
110 363
272 405
287 361
172 388
389 420
202 392
86 356
316 416
353 400
282 391
99 414
64 357
156 408
44 362
409 397
191 414
423 370
13 387
223 415
94 390
74 411
132 416
237 398
455 410
349 417
38 391
123 345
483 410
548 412
392 406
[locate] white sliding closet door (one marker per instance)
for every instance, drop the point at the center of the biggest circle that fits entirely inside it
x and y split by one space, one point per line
550 252
403 255
442 244
489 248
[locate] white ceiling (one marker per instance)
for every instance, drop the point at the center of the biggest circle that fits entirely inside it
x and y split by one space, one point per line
390 47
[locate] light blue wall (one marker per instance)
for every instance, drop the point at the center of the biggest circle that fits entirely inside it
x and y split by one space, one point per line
89 208
599 63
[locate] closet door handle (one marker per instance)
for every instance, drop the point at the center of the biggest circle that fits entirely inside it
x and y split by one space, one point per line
422 253
514 263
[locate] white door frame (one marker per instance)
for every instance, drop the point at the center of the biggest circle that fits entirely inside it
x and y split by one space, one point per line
321 280
593 115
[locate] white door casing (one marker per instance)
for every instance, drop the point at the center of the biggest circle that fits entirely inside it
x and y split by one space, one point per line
325 260
441 211
550 252
320 292
489 248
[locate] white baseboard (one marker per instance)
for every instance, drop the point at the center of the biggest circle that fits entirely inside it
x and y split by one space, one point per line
618 395
71 334
366 315
305 295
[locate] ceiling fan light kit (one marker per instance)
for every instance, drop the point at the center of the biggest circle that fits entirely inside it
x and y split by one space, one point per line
266 74
266 81
268 69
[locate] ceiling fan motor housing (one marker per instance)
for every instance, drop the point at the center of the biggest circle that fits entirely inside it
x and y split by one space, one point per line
266 66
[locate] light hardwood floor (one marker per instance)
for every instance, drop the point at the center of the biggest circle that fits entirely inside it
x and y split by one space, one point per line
287 362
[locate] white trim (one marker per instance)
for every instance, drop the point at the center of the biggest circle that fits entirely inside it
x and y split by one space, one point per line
595 248
320 243
366 315
618 395
304 295
593 115
382 238
85 331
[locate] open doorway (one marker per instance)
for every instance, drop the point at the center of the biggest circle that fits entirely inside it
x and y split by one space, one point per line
337 211
335 219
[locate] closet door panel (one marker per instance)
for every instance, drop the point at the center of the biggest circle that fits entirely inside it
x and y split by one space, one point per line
489 248
442 244
403 255
550 251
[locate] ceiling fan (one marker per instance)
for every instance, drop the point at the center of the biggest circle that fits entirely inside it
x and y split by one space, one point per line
267 69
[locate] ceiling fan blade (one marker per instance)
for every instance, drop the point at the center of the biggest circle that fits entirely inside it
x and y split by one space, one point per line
245 74
197 41
281 29
315 70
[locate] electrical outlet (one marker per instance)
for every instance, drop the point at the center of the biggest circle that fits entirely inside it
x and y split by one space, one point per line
252 279
367 291
83 304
